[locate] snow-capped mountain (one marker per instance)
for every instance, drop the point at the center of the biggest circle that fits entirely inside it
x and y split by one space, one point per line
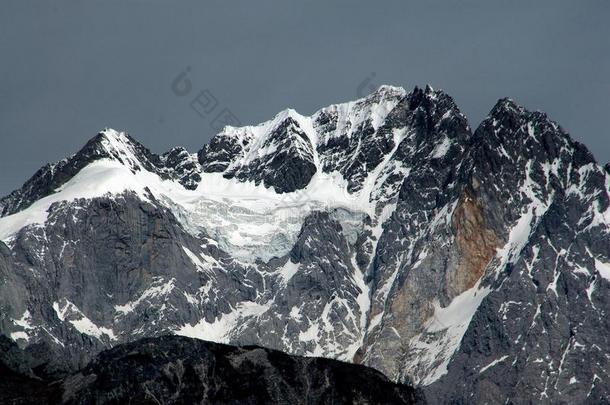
381 231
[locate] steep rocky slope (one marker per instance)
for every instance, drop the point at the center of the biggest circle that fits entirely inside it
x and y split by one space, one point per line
381 231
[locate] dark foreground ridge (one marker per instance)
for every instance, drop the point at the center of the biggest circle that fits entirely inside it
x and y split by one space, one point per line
174 369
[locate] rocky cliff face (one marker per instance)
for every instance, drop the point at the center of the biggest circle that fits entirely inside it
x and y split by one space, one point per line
381 231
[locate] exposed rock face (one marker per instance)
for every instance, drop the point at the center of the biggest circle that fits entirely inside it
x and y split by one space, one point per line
476 245
286 163
380 231
174 369
184 167
278 154
532 333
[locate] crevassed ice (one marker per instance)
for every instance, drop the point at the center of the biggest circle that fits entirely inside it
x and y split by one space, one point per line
247 220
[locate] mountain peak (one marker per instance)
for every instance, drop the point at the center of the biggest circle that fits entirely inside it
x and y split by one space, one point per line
110 133
506 105
287 113
388 90
429 98
106 144
510 117
352 139
434 247
109 141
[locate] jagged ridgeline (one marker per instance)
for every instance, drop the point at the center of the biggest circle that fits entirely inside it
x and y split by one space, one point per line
176 369
383 231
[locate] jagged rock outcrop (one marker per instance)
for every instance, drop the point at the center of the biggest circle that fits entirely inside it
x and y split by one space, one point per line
381 231
531 336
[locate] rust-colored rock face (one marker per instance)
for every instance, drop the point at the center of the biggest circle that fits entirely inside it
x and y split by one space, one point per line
476 245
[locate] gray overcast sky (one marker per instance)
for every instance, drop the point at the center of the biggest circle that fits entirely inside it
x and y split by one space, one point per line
70 68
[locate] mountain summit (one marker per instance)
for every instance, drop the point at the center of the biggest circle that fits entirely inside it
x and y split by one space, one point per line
382 231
